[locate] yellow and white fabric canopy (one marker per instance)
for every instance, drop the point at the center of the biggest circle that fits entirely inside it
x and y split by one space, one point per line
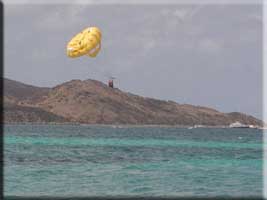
87 42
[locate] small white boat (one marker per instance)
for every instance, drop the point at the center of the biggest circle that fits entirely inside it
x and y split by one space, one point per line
238 125
199 126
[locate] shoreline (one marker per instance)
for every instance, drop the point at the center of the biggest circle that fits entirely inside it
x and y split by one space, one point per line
131 125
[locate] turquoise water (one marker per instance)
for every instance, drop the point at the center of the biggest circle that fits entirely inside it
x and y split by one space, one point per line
65 160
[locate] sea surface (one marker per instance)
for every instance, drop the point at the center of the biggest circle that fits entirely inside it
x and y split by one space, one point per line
73 160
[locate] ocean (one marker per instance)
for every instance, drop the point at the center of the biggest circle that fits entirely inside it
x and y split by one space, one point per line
84 161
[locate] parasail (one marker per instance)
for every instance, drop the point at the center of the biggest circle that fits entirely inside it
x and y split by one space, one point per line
87 42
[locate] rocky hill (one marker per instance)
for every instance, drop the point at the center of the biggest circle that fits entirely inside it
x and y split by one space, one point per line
19 101
15 91
92 102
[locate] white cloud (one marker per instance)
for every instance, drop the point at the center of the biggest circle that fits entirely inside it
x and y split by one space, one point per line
150 44
188 13
181 13
165 12
210 46
47 2
61 17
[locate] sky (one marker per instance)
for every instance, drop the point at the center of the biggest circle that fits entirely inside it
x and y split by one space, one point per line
201 54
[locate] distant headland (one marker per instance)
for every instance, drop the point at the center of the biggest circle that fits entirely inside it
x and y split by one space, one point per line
93 102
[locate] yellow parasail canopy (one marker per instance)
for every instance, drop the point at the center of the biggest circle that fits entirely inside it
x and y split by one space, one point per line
87 42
